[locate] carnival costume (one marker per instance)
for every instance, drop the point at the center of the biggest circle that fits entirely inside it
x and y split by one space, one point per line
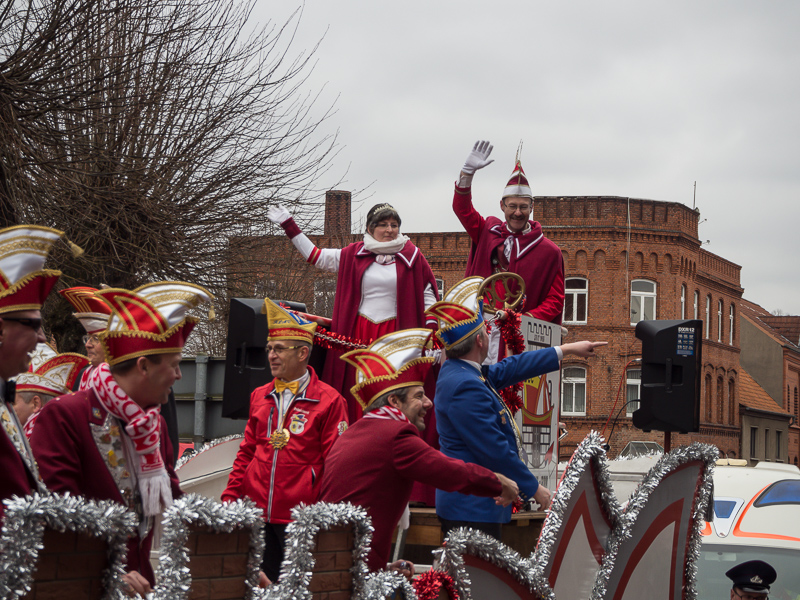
24 285
50 374
290 431
92 313
372 277
496 249
98 442
380 457
474 423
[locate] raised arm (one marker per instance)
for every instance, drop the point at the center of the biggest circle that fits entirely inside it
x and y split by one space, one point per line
326 259
462 200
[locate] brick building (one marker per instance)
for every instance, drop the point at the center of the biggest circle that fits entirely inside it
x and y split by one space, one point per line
625 260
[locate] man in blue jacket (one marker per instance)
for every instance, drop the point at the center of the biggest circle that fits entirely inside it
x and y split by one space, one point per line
473 422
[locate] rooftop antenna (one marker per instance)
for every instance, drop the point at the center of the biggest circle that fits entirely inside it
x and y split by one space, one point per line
694 196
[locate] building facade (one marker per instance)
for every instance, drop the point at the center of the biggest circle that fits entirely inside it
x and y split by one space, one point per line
625 260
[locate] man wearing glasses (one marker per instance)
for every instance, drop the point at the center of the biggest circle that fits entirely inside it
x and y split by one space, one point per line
751 580
294 421
514 245
93 314
24 286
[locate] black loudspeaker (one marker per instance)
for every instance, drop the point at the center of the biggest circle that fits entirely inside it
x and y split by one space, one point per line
246 365
671 369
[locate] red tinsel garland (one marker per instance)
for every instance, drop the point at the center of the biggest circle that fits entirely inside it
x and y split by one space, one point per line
510 332
428 585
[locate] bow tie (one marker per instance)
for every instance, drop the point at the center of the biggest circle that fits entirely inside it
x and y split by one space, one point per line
292 386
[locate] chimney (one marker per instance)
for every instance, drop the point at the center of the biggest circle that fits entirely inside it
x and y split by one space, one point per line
337 213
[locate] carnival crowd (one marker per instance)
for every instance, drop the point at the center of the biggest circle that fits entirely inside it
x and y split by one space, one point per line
414 413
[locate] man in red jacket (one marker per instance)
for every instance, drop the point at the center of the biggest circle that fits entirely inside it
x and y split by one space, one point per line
24 286
109 441
516 244
294 421
378 459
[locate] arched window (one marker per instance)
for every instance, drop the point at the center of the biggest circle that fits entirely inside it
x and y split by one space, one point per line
576 299
573 391
731 402
707 397
643 300
683 302
719 321
708 317
730 326
696 304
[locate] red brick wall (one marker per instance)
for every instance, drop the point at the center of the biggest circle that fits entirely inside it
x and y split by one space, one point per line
70 566
333 555
218 564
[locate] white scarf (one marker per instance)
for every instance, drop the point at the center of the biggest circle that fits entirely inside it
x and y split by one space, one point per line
143 427
385 250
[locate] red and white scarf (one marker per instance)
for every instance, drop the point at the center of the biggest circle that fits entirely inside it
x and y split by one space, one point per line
144 429
387 412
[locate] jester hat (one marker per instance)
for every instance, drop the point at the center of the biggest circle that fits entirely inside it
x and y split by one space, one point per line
285 325
152 319
391 362
90 310
51 373
518 184
460 312
24 284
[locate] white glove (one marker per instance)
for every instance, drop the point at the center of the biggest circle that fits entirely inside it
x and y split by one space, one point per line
278 214
478 158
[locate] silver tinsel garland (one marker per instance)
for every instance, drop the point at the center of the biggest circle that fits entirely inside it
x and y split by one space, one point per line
298 561
463 541
588 455
703 453
173 576
23 529
207 446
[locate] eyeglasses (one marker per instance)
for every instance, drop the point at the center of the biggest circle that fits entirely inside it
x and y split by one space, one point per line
518 207
746 596
35 324
94 338
281 350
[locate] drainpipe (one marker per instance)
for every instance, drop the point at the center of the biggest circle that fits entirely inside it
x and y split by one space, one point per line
201 365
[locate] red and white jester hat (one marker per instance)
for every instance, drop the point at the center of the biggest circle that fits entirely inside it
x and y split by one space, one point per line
90 310
51 373
391 362
152 319
24 284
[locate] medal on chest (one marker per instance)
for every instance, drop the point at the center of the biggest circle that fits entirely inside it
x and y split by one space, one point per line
279 438
298 423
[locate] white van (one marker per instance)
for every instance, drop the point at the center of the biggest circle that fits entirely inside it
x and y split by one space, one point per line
756 516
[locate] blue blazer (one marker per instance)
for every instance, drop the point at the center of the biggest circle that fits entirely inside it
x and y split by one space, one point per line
474 427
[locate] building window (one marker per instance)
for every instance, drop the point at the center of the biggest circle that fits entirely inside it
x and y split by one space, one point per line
573 391
324 295
633 391
683 302
643 300
753 439
730 326
696 303
707 397
719 321
778 446
708 317
720 400
766 444
576 295
440 287
731 402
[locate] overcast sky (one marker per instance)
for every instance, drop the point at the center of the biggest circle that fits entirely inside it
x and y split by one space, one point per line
610 98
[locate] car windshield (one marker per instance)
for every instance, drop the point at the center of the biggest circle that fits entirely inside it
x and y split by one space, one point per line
715 560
